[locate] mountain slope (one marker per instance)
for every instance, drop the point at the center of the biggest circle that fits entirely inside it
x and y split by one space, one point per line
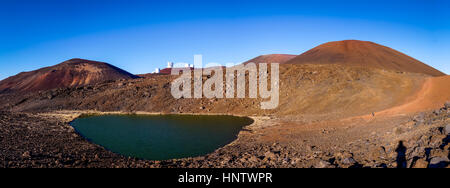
432 95
271 58
312 91
71 73
365 54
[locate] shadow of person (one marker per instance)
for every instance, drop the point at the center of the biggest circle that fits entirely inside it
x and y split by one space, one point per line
401 155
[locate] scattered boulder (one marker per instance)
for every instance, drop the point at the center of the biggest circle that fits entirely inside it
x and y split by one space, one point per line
253 159
322 164
349 161
419 119
343 155
398 130
436 140
439 162
49 97
420 163
447 105
437 112
447 129
379 153
269 156
26 155
418 152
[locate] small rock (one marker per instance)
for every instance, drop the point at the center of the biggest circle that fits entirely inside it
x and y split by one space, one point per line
437 153
421 163
322 164
398 130
447 129
349 161
437 112
420 116
253 159
418 152
439 162
225 160
269 155
26 155
436 140
343 155
419 119
447 105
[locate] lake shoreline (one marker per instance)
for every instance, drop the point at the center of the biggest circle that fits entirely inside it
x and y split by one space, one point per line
149 137
46 140
63 119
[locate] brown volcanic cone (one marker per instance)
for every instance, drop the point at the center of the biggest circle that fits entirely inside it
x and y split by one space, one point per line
71 73
362 53
271 58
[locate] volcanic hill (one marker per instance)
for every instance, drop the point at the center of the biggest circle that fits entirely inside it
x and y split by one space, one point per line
365 54
331 114
71 73
271 58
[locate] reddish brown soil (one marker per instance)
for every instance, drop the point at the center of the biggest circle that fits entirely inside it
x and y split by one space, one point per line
319 91
72 73
434 92
271 58
335 110
365 54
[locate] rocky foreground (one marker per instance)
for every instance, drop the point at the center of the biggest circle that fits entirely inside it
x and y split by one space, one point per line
409 141
321 121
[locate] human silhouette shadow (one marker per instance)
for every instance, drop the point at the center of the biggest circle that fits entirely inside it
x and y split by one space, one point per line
401 155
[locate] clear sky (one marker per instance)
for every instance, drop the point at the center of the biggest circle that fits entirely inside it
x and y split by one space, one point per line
139 36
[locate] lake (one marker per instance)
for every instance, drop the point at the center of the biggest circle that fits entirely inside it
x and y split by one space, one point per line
160 137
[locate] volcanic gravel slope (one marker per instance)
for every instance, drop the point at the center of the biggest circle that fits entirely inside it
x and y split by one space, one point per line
320 91
365 54
336 130
329 115
71 73
47 140
271 58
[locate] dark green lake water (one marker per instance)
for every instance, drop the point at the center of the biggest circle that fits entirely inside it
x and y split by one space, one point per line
160 137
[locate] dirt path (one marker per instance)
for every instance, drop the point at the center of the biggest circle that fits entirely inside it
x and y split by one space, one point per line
434 93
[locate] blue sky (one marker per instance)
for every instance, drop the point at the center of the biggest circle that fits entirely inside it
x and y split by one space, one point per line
139 36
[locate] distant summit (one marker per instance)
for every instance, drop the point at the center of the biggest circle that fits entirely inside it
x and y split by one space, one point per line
365 54
71 73
271 58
